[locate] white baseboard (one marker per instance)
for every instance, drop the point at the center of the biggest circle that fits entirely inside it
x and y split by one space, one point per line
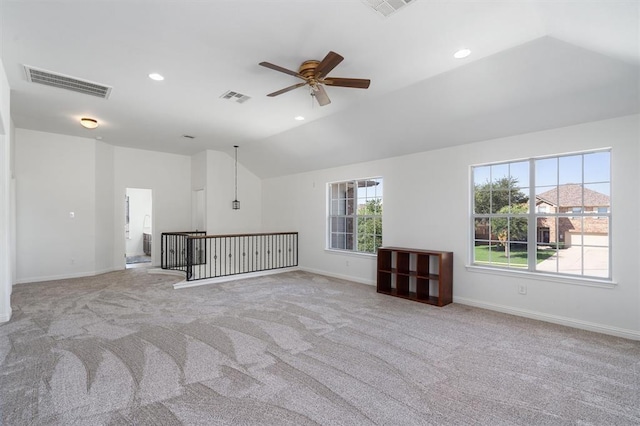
196 283
555 319
65 276
4 317
339 276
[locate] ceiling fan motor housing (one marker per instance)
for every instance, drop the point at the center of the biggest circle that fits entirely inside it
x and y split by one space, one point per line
308 69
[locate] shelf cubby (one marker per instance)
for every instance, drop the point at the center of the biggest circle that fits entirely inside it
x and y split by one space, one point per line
425 276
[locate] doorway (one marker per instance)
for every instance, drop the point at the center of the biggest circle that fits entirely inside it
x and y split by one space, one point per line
138 227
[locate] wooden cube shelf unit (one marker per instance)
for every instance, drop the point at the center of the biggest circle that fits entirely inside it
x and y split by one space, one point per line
422 275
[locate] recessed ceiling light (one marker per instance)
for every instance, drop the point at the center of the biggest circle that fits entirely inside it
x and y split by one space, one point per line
299 118
462 53
88 123
155 76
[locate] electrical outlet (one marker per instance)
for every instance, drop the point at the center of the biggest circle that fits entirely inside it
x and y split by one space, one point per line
522 288
347 263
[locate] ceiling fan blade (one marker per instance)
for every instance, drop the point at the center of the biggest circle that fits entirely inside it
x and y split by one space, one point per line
286 89
327 64
279 68
357 83
321 95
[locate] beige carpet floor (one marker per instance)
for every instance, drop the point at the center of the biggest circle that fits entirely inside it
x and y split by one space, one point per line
124 348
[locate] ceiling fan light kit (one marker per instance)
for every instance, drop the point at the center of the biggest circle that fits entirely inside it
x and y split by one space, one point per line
314 73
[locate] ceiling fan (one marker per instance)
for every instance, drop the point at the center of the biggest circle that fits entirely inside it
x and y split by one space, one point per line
314 73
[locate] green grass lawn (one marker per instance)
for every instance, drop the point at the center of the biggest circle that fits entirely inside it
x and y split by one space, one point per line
496 255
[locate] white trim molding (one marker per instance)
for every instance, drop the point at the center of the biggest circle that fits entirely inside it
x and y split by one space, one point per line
236 277
6 316
339 276
66 276
555 319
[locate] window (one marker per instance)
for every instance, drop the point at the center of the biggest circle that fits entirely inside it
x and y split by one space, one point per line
549 215
355 215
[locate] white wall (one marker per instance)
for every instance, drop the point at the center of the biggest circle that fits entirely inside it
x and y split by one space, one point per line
6 199
221 218
426 205
169 178
104 223
58 174
55 177
198 183
140 219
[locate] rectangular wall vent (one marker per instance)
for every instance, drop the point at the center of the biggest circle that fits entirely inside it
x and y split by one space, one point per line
48 78
387 7
235 96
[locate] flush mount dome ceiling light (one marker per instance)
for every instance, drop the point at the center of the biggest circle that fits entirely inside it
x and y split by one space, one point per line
155 76
88 123
462 53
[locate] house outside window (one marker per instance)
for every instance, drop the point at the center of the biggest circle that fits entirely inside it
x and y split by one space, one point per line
550 215
355 215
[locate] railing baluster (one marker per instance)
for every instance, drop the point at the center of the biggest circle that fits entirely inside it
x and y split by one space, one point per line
208 256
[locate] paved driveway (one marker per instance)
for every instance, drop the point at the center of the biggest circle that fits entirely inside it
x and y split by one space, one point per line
569 261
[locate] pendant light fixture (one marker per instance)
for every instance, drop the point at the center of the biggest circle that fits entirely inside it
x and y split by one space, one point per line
236 204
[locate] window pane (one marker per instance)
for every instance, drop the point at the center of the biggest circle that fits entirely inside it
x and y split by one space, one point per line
482 253
597 167
481 175
499 201
517 255
546 230
548 195
378 241
596 261
349 224
371 187
519 173
482 229
337 207
547 172
597 195
570 168
337 241
497 225
596 231
342 188
547 259
335 192
482 201
518 228
350 206
570 260
499 173
519 201
348 243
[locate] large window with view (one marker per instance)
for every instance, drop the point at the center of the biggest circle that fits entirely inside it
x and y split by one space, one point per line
549 215
355 215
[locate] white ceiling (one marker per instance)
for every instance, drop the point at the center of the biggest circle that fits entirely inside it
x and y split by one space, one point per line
534 65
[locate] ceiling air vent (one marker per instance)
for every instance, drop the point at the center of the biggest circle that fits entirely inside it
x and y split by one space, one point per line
235 96
48 78
387 7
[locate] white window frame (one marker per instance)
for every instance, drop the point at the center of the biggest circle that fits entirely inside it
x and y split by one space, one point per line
354 216
532 216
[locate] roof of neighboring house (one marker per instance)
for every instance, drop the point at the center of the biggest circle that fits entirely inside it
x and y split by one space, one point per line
570 194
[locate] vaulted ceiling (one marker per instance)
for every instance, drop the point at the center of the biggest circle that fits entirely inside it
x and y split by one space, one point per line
534 65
